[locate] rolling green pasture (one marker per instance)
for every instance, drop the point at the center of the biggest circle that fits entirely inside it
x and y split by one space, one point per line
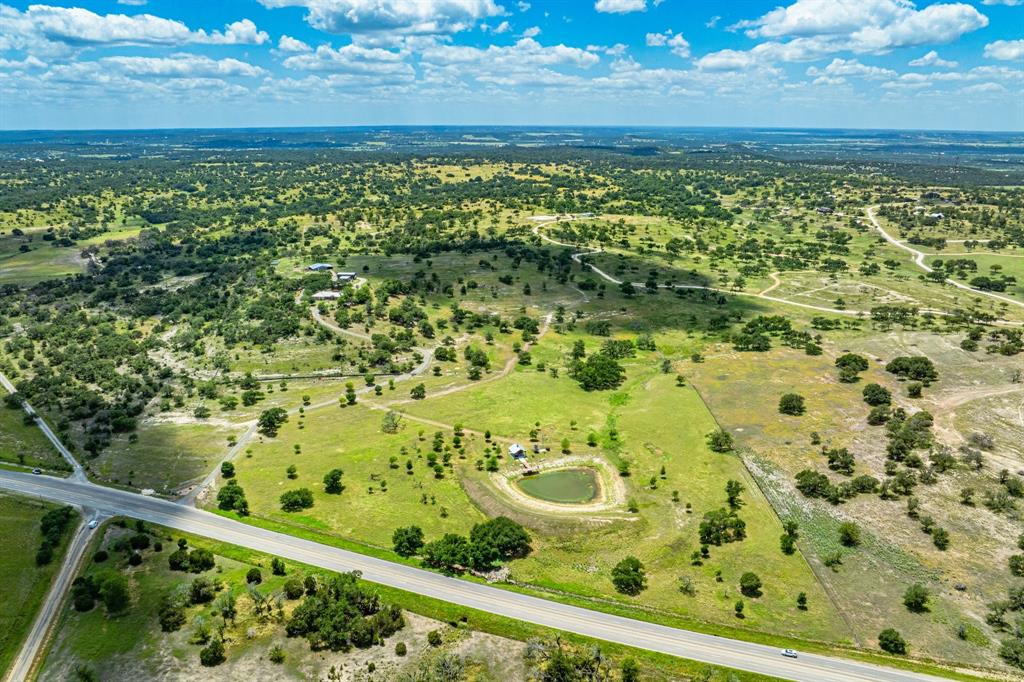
745 396
25 444
25 584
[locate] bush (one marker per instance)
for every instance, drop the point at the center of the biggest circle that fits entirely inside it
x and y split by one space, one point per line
849 534
629 576
891 641
201 591
212 654
407 541
296 500
916 598
876 395
171 614
750 584
253 576
400 649
720 441
332 482
114 593
276 654
293 588
100 556
434 638
792 404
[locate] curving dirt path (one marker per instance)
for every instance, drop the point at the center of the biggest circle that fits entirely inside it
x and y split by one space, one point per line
577 257
919 257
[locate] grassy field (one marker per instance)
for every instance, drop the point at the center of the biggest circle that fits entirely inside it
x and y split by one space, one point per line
777 446
42 262
573 555
25 444
25 584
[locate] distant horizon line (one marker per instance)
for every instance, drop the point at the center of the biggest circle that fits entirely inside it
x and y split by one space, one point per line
502 126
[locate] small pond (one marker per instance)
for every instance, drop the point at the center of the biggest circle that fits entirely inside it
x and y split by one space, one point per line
568 486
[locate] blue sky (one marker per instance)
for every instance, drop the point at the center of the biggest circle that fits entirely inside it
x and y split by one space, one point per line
792 63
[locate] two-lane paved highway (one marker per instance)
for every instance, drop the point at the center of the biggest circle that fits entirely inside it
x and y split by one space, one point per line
685 644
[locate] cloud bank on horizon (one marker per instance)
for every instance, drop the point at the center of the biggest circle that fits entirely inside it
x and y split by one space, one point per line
824 63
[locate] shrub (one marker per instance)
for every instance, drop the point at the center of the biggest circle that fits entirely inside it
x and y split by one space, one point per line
201 591
434 638
293 588
276 654
212 654
407 541
916 598
750 584
720 441
332 482
400 649
253 576
792 404
891 641
296 500
876 395
849 534
629 576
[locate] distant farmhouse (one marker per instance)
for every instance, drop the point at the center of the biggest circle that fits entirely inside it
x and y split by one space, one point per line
516 451
320 267
344 276
826 210
326 295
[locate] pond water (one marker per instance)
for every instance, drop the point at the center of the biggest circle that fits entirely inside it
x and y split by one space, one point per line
571 486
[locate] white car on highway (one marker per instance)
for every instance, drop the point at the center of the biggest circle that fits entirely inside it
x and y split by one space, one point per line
789 653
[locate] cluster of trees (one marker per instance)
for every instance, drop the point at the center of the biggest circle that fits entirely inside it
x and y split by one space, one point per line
489 543
109 587
231 497
915 367
198 560
599 371
340 613
54 526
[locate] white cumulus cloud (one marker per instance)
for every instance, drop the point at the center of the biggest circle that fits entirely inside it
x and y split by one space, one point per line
620 6
866 26
289 44
1007 50
932 58
53 29
404 17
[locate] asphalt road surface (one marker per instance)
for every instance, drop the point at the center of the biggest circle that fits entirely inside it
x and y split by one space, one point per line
685 644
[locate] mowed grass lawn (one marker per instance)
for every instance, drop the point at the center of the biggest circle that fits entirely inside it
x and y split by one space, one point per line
25 444
657 424
25 584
